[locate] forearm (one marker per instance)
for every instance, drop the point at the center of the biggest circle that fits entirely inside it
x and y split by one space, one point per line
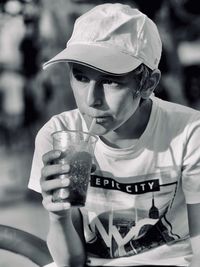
195 242
65 245
195 262
194 226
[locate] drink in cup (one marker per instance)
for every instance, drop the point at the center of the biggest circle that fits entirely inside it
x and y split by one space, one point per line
77 150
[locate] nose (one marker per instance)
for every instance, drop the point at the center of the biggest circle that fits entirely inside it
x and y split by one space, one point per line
93 96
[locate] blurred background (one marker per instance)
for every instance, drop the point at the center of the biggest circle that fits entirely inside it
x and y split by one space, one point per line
33 31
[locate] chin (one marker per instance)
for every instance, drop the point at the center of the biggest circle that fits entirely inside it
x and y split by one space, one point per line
100 130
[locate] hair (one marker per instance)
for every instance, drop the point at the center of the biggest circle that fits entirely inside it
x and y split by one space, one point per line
141 74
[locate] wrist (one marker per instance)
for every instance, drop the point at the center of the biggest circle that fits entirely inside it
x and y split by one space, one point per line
195 261
64 215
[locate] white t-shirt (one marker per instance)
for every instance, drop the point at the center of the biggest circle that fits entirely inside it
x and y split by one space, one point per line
135 212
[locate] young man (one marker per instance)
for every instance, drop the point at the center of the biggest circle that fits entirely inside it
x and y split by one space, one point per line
143 201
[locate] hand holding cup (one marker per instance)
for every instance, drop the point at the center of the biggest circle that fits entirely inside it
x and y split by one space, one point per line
50 181
73 165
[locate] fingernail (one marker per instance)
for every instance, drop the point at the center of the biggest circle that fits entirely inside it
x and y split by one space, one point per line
65 181
57 153
65 168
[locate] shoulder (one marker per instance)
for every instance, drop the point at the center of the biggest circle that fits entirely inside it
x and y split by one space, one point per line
175 122
68 120
176 113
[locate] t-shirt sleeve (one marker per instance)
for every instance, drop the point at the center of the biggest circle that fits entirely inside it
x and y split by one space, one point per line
191 163
43 144
53 264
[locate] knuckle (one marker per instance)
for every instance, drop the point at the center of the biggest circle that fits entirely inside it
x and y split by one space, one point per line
43 172
65 182
42 186
65 167
44 158
44 203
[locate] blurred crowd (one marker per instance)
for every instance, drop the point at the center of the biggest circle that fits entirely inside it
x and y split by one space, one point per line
32 31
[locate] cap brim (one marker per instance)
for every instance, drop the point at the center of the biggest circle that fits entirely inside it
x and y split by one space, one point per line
101 58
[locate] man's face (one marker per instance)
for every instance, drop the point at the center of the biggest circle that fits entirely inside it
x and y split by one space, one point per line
110 99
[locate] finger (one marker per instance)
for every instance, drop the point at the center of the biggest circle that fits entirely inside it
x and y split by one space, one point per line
54 184
55 206
54 170
60 195
51 156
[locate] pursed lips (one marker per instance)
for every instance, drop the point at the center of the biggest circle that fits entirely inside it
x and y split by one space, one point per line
101 119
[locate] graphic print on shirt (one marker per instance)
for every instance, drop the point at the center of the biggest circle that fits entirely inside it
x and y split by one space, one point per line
118 231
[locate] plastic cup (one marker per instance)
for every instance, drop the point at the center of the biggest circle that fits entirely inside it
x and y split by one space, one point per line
77 150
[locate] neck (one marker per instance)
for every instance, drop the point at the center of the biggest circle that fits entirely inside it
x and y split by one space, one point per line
132 129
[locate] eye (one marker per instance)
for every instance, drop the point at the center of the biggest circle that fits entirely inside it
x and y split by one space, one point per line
81 78
110 82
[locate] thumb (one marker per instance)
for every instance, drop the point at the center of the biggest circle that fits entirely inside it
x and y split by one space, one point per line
93 169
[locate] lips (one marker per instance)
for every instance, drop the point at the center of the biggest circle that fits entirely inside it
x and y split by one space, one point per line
101 119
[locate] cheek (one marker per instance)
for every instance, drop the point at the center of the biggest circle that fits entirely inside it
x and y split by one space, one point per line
123 103
78 95
78 98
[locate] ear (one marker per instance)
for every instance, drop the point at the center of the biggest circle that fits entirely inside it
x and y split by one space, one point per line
150 84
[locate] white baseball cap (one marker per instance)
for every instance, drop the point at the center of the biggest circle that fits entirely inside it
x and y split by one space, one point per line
112 38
